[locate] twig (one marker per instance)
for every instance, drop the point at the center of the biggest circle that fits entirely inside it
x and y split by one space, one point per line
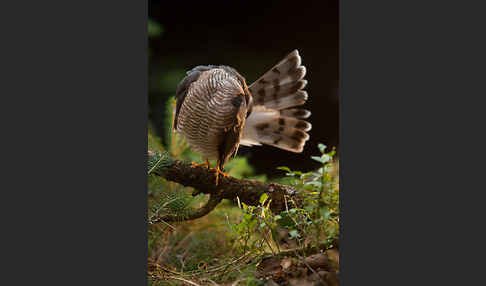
182 279
309 250
268 243
207 279
168 224
237 281
213 201
153 168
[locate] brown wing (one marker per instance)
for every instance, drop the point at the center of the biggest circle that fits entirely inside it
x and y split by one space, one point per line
181 91
231 136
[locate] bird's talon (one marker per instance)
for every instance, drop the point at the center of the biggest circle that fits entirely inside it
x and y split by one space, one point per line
194 164
218 171
222 172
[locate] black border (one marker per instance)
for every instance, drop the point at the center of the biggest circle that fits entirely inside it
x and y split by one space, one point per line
409 119
76 76
76 89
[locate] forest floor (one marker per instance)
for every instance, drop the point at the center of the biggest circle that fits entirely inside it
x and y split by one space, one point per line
202 252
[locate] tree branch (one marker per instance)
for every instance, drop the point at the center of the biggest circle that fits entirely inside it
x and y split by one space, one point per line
213 201
203 181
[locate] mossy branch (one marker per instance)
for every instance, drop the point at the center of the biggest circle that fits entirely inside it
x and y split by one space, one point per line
203 181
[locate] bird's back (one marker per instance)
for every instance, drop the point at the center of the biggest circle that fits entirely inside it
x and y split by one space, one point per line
207 110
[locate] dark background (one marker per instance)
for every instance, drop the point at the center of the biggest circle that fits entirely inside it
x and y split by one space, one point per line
264 35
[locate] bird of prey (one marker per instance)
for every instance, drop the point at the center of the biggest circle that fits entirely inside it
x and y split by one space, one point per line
216 111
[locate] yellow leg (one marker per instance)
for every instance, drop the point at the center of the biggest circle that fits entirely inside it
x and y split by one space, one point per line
218 172
223 173
206 163
194 164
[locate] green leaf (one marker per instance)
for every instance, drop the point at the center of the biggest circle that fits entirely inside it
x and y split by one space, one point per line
326 158
323 159
245 207
263 198
314 183
294 234
294 173
321 147
283 168
317 158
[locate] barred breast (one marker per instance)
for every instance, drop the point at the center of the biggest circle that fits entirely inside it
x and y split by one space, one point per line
207 110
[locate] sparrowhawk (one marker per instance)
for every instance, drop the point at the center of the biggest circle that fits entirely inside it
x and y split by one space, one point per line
216 111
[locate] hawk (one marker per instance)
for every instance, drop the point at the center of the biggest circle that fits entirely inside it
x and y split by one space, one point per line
216 111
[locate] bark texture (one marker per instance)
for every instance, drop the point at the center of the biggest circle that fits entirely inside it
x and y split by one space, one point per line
203 180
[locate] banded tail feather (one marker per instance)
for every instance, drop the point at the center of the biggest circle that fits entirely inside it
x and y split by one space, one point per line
275 128
296 113
273 121
281 87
